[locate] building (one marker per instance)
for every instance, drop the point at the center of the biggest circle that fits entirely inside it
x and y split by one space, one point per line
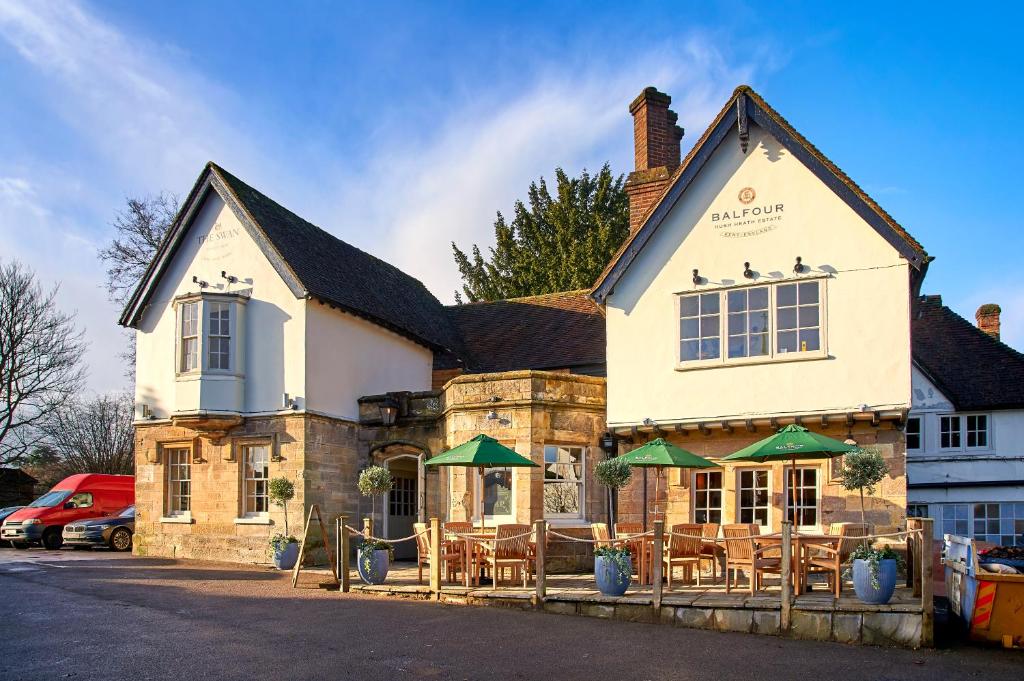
759 286
16 487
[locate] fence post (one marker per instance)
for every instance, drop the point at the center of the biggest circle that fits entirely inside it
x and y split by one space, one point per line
343 553
913 556
785 597
656 561
925 557
368 527
540 578
436 560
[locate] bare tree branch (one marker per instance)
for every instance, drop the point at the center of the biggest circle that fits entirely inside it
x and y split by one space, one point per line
93 436
40 360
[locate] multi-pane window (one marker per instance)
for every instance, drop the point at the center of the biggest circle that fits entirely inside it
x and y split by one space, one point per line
913 433
802 497
976 429
754 500
798 315
402 497
955 519
219 335
748 322
707 497
949 432
179 481
751 322
563 481
256 469
189 336
497 492
917 510
700 327
999 523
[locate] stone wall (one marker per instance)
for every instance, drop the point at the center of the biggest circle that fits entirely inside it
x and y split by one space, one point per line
886 509
318 454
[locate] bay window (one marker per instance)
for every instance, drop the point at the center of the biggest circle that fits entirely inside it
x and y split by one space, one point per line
189 342
754 323
219 336
208 340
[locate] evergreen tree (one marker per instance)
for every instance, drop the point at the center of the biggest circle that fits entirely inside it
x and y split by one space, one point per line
558 243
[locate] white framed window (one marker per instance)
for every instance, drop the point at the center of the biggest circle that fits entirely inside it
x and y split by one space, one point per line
802 497
754 497
976 431
798 317
949 432
189 340
747 323
218 333
917 510
707 497
179 481
700 333
754 323
914 433
256 478
564 474
498 495
956 519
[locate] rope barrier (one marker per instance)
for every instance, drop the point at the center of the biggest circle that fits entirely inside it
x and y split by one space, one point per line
357 533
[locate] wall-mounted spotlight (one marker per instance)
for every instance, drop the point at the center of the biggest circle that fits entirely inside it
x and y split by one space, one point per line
230 277
697 279
492 415
197 280
798 268
747 272
648 421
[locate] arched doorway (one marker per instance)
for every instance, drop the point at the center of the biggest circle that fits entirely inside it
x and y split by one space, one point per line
405 503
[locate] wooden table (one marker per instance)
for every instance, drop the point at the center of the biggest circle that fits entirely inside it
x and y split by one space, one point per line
800 541
472 553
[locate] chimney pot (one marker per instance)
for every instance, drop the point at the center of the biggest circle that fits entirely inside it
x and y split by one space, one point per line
656 140
987 317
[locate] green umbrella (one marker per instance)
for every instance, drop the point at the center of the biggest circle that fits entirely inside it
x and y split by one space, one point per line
789 444
659 453
481 452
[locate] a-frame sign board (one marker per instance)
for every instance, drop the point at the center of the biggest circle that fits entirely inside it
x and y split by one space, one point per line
327 546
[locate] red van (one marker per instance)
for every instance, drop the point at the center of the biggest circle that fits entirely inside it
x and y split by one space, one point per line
78 497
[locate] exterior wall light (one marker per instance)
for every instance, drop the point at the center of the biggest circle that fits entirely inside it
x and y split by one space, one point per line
492 415
696 277
747 272
798 268
609 444
388 412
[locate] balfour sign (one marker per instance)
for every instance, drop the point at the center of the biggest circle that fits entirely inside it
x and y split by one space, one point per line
749 220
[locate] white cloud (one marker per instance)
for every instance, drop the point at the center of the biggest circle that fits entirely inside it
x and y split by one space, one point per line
416 198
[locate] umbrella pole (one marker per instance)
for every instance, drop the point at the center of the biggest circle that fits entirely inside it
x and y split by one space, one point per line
792 491
480 501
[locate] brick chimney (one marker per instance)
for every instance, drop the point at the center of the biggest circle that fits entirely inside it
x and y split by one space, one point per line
656 144
987 317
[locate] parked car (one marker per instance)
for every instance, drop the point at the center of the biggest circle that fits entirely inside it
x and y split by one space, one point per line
78 497
4 512
114 531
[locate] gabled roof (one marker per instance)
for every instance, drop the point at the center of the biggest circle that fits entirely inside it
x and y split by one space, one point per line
312 262
553 331
743 107
970 367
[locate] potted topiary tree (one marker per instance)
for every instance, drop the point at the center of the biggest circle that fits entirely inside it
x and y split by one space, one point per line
374 556
285 547
874 570
613 568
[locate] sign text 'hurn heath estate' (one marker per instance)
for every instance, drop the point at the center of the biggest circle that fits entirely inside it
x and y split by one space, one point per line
748 220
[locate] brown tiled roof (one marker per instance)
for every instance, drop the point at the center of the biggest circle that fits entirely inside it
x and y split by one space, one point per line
552 331
971 368
694 153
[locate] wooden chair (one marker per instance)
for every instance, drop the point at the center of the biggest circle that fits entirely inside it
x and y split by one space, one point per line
711 550
511 550
635 546
828 560
463 527
601 536
741 554
684 550
451 553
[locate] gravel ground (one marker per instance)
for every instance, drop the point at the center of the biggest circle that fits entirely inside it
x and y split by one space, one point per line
97 615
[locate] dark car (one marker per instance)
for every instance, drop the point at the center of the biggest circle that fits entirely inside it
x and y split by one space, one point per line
114 531
4 512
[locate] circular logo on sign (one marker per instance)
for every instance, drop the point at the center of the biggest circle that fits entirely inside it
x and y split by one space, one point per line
747 195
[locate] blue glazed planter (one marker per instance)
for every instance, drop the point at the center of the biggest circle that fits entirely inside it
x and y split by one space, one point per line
886 581
286 557
373 565
611 580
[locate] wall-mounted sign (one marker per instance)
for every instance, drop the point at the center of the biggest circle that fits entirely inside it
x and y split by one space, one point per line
217 243
749 218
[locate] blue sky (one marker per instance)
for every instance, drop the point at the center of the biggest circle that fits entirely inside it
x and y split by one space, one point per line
403 128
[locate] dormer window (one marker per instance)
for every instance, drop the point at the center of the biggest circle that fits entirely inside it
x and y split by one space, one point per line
209 327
